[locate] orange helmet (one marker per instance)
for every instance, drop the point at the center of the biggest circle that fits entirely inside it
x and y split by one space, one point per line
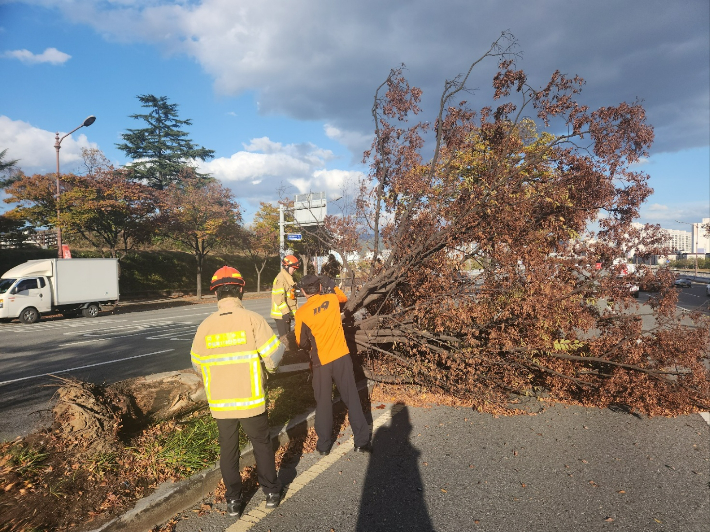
291 260
226 275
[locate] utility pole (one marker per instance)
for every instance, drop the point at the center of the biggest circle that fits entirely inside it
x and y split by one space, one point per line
282 246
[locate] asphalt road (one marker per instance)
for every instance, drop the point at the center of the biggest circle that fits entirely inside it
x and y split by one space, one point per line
693 298
104 349
565 468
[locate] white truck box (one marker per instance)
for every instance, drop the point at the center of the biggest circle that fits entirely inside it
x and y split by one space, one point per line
63 285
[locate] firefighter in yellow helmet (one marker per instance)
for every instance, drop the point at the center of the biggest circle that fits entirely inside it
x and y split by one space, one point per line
283 295
230 350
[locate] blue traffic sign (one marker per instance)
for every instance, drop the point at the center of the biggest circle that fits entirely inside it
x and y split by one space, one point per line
293 236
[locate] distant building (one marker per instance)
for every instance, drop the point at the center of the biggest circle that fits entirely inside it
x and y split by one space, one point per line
700 242
679 240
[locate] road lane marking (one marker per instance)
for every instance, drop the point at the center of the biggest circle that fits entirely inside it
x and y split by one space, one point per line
249 519
86 366
706 417
143 332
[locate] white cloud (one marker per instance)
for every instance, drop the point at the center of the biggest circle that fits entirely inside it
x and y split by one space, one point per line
355 141
34 147
50 55
266 168
657 207
643 161
666 215
322 60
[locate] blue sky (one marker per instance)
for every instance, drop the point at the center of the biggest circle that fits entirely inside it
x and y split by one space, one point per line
282 90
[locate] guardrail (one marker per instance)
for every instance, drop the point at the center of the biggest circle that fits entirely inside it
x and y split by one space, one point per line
701 277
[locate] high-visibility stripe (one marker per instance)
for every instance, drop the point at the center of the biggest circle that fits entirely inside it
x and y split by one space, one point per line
206 380
271 345
257 398
278 290
242 356
236 405
213 341
255 379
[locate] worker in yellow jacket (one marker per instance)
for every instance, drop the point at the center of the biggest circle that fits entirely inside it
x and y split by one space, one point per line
230 350
283 295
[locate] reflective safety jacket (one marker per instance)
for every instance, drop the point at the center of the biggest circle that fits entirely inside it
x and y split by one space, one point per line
283 295
319 327
228 351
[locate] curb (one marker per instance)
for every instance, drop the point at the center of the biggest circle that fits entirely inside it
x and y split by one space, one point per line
171 498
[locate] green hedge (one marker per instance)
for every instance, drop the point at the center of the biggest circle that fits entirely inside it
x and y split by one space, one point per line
147 271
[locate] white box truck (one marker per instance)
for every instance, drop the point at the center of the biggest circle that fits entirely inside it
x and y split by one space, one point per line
68 286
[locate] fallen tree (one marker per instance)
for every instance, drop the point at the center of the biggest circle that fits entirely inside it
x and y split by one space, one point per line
512 193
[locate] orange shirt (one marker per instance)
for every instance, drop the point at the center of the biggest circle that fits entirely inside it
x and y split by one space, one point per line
319 327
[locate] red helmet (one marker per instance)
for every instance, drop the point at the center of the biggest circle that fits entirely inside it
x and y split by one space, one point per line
226 275
291 260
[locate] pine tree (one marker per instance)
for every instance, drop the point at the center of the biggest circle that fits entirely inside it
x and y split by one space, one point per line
9 173
162 151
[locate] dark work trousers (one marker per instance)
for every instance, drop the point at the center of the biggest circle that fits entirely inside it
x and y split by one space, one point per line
257 429
283 326
340 371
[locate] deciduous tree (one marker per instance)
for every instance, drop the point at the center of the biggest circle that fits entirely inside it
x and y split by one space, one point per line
263 238
35 199
109 211
201 219
517 189
162 150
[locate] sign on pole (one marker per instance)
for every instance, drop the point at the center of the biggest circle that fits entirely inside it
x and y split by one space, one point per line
310 209
293 236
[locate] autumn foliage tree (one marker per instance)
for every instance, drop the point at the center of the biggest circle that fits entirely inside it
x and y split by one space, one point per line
515 190
263 238
109 211
104 208
35 200
201 219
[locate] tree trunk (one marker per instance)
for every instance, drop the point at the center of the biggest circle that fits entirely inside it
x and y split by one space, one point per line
199 276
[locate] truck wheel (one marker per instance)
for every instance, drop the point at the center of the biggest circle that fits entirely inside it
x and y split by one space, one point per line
29 315
91 311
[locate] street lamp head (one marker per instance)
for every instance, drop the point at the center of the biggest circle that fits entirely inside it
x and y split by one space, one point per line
90 120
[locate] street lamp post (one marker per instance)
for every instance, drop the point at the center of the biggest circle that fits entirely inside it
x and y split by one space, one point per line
695 245
57 144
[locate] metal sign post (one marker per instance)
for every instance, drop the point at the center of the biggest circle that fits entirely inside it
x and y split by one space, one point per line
308 210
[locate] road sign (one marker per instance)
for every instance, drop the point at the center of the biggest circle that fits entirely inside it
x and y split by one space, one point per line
293 236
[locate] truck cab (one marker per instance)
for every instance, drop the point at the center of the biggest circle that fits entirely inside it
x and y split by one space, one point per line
26 298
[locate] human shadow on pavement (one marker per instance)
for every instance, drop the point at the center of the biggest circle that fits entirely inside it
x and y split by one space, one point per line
393 493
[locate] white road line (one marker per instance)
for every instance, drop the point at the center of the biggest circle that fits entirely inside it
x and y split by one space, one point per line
87 366
84 342
103 329
706 417
171 332
106 339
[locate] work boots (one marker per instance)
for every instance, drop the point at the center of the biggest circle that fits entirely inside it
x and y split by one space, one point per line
273 499
234 507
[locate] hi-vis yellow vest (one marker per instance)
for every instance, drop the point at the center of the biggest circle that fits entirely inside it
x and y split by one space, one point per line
281 302
228 351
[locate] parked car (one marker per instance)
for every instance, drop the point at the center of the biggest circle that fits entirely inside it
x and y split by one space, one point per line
685 283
